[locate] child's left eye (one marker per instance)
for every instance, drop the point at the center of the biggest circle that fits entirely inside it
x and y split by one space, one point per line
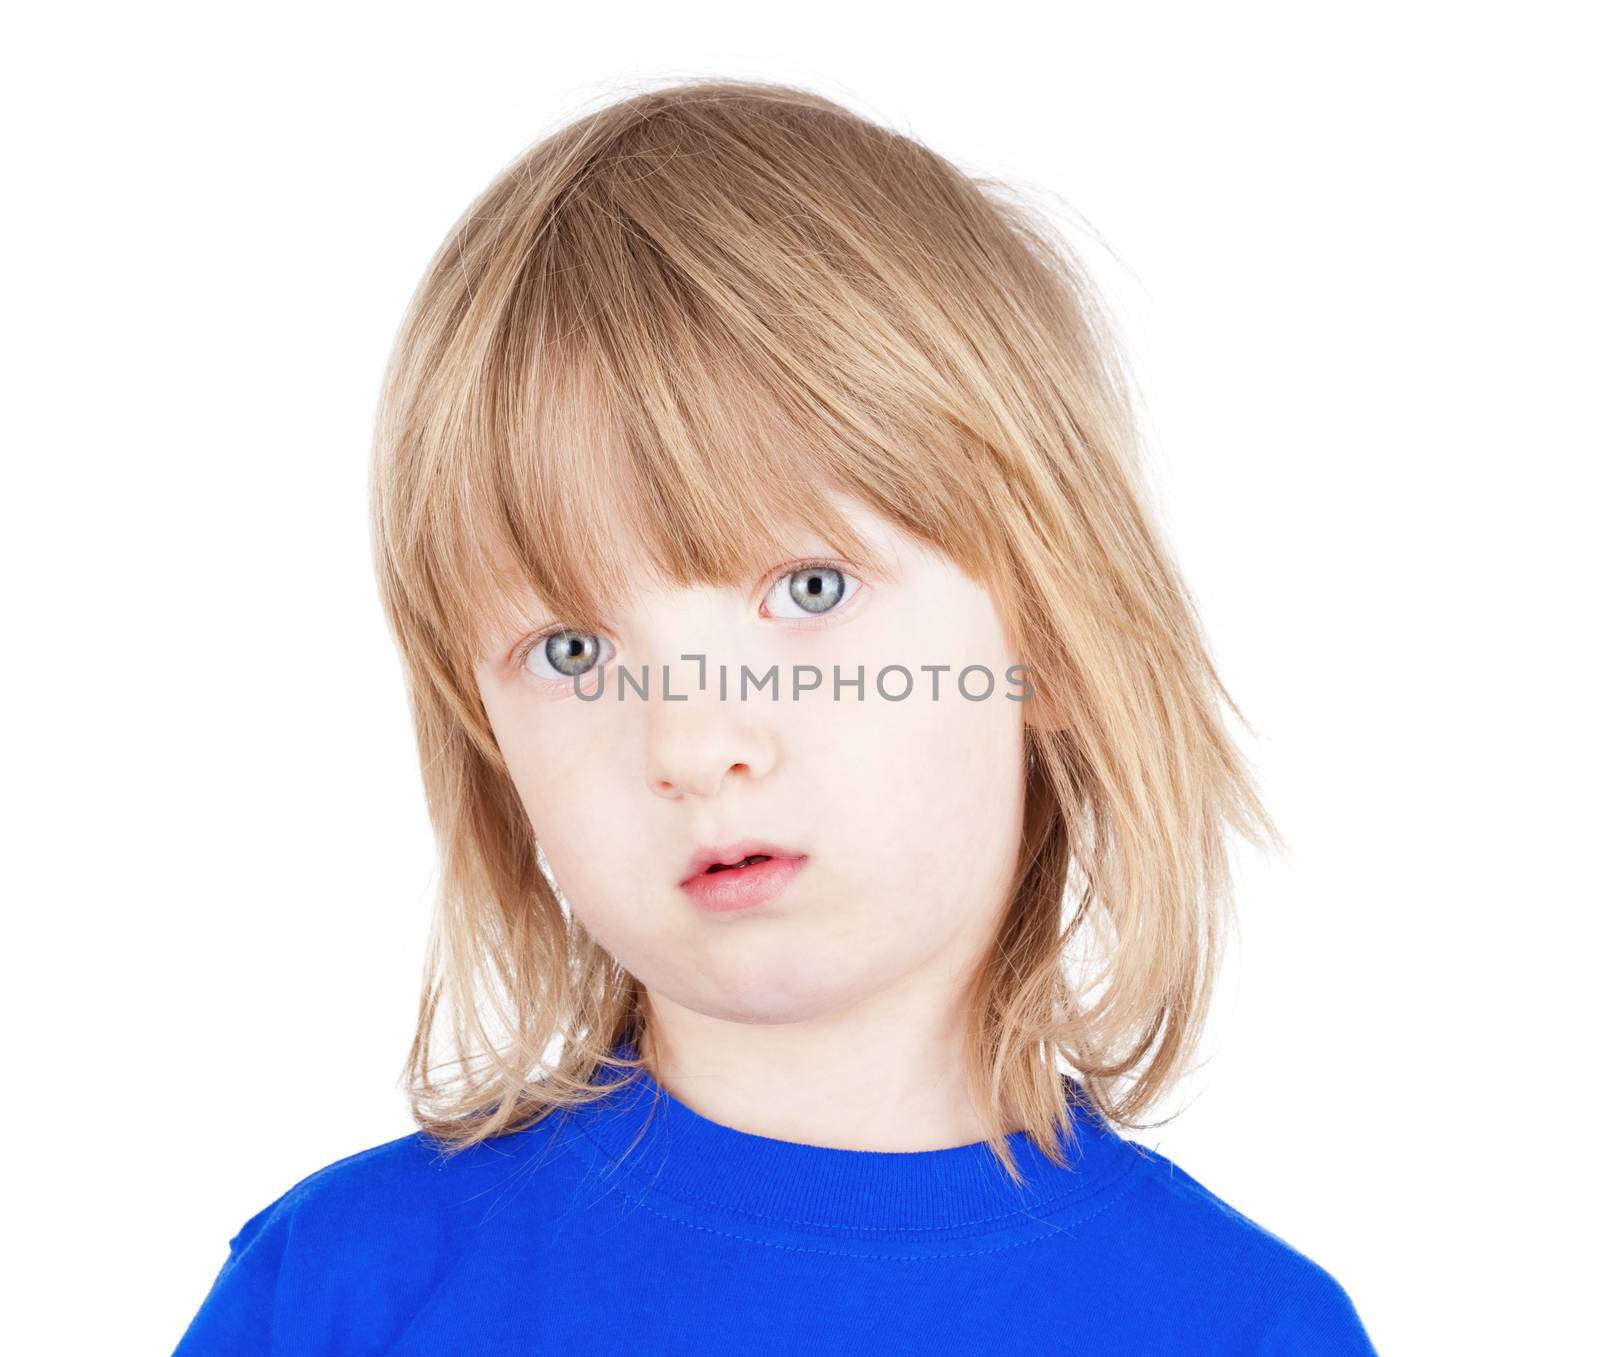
810 591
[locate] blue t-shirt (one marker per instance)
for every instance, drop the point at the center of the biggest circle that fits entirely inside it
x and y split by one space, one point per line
635 1225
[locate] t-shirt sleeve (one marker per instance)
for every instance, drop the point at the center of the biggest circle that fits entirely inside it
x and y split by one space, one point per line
1317 1319
236 1316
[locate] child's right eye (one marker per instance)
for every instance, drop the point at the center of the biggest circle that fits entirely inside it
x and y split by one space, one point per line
561 656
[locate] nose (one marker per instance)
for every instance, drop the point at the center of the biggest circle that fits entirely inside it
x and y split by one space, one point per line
696 744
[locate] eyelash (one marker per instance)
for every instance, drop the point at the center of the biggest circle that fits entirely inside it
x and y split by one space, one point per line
519 656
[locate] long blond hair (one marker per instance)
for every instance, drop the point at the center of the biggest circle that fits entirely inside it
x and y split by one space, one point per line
715 296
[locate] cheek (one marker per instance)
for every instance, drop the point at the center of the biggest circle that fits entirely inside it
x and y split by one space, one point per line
920 805
962 801
561 808
565 775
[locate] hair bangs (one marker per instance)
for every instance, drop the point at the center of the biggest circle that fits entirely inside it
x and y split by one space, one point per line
623 455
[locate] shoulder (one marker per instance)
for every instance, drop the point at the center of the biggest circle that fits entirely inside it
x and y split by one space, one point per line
390 1186
1220 1262
343 1246
366 1178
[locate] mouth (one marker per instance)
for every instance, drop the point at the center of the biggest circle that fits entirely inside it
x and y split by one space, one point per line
740 875
716 859
743 862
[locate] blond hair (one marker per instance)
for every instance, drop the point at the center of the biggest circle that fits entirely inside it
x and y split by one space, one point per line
706 299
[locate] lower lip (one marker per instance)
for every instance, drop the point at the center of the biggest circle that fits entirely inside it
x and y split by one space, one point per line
743 887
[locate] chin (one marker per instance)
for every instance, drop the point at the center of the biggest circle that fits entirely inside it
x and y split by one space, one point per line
784 996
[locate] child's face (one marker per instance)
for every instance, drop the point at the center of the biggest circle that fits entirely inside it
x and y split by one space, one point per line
909 812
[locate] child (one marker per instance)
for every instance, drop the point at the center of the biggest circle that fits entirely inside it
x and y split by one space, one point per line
825 759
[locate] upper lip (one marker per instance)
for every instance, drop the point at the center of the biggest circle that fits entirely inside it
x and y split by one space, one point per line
730 853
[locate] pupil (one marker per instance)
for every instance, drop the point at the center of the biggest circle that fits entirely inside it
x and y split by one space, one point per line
818 589
571 652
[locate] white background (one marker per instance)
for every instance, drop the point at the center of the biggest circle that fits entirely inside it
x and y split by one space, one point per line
1354 248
